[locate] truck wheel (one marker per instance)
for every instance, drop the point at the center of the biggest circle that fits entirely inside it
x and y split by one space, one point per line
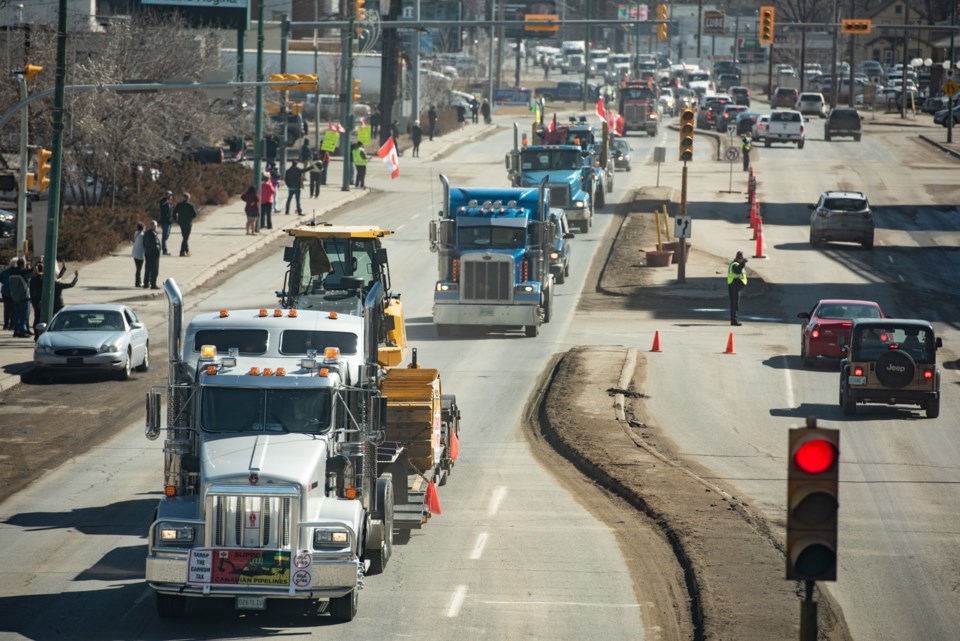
560 277
171 606
531 331
867 242
766 143
379 557
566 269
548 306
598 197
344 608
826 136
800 145
933 408
848 404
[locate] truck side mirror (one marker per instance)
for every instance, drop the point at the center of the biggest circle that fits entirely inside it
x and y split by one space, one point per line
152 430
289 255
432 234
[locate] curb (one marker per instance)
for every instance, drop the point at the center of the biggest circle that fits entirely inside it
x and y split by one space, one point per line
939 146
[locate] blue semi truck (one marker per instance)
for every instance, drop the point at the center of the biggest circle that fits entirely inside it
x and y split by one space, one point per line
494 258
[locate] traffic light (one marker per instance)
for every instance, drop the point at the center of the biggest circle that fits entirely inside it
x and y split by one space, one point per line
765 36
686 134
29 71
855 26
43 169
813 472
293 81
662 29
355 94
359 13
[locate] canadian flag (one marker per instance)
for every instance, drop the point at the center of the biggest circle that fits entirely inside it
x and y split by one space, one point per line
601 112
552 127
388 153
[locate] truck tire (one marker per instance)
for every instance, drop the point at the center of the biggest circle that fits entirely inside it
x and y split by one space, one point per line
766 143
848 404
800 144
856 138
826 136
548 305
531 331
384 515
598 198
560 277
171 606
344 608
932 408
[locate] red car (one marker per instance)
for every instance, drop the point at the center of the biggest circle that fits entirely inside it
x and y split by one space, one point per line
827 322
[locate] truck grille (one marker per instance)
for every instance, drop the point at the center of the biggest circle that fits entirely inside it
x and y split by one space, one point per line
251 521
634 112
487 279
559 195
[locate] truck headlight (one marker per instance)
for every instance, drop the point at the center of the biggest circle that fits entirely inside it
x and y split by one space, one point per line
330 539
446 287
176 535
526 289
579 204
554 256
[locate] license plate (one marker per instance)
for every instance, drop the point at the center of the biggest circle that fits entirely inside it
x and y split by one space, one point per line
486 312
251 603
74 362
857 380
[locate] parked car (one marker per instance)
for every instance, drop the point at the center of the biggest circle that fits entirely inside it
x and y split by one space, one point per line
741 95
891 362
728 117
560 254
826 328
811 104
940 118
785 97
842 216
760 127
7 219
97 338
843 121
621 154
933 104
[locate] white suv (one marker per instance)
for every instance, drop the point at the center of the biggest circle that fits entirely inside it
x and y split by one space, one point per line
811 104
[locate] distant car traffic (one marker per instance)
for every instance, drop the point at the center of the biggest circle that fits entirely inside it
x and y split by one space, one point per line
728 117
843 121
825 330
760 127
560 253
746 120
92 338
621 154
811 104
842 216
741 95
784 97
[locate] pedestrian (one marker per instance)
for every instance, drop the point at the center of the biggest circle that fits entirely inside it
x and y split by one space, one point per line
375 121
461 115
294 182
59 285
416 135
166 220
395 132
306 153
267 196
151 256
36 294
20 293
360 162
546 68
275 181
745 152
325 165
251 209
736 281
5 294
485 111
315 169
432 122
137 251
474 110
184 213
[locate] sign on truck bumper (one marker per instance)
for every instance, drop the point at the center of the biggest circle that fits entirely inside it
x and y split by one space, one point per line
520 313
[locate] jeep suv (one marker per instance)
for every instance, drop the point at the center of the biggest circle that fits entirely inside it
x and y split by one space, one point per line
891 362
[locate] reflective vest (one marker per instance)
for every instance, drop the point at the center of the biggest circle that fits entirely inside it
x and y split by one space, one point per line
745 146
359 157
732 276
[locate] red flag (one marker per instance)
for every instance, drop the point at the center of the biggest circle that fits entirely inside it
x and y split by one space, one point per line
552 127
388 153
601 112
336 127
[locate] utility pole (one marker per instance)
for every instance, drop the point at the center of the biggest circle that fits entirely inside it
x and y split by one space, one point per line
903 82
346 41
834 68
258 107
700 28
284 45
953 65
415 64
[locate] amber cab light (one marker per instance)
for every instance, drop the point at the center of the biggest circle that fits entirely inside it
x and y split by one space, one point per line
277 313
224 313
292 313
262 313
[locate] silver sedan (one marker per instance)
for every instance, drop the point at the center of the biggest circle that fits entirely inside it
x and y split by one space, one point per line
99 338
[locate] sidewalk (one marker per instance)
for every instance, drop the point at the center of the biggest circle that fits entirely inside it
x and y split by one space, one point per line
218 241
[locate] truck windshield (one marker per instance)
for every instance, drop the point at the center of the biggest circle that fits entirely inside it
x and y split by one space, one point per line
636 93
549 159
232 409
506 237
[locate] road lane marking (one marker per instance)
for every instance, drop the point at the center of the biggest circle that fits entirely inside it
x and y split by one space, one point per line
456 601
565 603
495 500
890 258
481 543
789 381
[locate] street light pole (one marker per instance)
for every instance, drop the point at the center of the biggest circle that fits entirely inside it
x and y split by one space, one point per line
22 191
953 64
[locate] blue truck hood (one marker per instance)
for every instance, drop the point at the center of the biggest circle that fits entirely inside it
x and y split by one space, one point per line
556 176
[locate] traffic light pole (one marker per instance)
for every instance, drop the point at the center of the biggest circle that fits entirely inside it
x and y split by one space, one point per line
682 254
22 191
346 38
808 613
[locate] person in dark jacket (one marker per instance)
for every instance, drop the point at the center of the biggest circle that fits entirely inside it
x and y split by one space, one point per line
166 219
58 287
151 256
184 213
416 135
36 293
5 292
485 111
294 182
432 122
19 284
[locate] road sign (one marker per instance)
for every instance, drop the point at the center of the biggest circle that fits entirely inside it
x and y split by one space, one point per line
681 227
950 88
732 154
713 22
542 27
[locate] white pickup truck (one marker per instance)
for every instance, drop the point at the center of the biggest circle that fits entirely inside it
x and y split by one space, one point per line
785 126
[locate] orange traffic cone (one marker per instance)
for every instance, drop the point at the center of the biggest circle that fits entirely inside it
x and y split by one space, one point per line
729 349
754 209
656 342
454 445
759 250
432 500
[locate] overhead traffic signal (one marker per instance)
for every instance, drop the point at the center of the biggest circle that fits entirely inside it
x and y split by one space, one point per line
29 71
765 37
855 26
662 28
662 11
359 13
43 169
355 94
813 473
686 134
293 81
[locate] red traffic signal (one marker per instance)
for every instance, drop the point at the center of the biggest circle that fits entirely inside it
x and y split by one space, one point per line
813 474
